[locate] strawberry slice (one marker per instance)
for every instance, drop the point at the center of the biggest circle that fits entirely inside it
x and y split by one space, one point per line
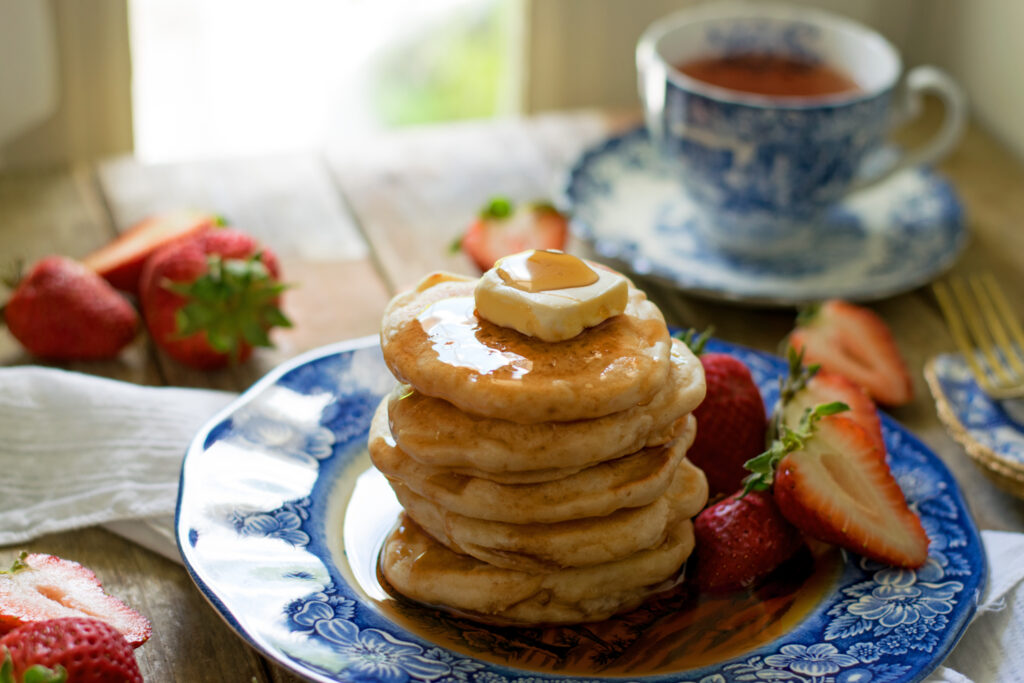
806 387
831 482
853 341
40 587
502 229
120 261
740 540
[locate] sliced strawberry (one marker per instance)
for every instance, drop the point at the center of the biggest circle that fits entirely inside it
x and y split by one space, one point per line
739 541
502 229
120 261
807 387
40 587
837 488
853 341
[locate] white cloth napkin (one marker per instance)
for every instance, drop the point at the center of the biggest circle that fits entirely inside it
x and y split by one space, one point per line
77 450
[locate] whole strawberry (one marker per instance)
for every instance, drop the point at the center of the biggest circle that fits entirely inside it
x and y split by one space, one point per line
731 421
62 310
89 650
739 541
209 299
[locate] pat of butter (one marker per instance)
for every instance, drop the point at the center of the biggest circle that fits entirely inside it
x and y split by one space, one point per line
549 295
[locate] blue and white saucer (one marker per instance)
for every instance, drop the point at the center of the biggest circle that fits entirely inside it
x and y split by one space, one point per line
992 432
887 239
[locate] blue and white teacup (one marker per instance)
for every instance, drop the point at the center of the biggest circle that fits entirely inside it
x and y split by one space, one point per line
761 170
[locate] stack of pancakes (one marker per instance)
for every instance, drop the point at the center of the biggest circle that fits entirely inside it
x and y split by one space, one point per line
543 482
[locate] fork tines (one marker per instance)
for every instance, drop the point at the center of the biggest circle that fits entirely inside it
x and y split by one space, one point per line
987 332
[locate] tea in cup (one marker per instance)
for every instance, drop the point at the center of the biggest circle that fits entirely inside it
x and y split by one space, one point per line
769 112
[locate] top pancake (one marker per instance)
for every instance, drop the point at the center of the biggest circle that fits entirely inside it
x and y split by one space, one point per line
433 340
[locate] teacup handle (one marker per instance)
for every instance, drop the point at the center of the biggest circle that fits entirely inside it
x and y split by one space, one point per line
922 80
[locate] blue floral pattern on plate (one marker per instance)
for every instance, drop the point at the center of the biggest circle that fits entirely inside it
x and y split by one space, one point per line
257 524
991 431
887 239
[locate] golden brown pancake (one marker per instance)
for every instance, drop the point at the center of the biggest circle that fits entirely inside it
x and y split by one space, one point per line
434 432
433 340
422 569
630 481
572 543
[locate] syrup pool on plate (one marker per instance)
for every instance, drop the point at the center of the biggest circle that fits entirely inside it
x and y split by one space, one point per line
675 631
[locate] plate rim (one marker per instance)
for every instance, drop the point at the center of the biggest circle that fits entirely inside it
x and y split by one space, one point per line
197 445
615 253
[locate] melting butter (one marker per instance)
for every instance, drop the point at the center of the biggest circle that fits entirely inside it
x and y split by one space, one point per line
542 270
549 295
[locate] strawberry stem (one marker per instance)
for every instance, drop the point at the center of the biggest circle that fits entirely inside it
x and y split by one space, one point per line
18 565
762 467
37 673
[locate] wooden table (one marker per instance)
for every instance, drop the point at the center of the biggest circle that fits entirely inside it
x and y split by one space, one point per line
353 227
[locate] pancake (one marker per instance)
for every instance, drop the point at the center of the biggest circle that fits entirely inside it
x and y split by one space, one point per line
432 339
629 481
420 568
434 432
572 543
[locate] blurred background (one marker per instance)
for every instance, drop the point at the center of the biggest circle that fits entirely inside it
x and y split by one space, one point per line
170 80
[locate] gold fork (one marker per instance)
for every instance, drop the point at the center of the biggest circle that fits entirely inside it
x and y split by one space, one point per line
988 334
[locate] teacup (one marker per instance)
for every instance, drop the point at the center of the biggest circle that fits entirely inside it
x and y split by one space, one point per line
761 169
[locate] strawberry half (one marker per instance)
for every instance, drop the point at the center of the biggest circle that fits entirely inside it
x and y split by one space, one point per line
853 341
39 587
739 541
501 229
831 482
731 420
120 262
210 298
76 649
807 387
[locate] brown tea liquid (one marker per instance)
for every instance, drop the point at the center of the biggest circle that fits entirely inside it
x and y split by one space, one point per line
772 75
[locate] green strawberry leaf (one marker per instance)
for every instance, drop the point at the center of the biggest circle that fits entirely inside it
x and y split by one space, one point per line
695 342
497 208
762 467
36 673
233 304
455 246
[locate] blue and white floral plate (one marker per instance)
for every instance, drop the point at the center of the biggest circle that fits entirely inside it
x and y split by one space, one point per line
263 530
992 432
885 240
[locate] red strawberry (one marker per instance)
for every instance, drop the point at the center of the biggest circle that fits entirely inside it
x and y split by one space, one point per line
501 229
40 587
739 541
89 650
731 421
120 262
832 483
807 387
210 298
64 311
853 341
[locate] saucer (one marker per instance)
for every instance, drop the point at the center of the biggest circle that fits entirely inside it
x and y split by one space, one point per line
992 432
887 239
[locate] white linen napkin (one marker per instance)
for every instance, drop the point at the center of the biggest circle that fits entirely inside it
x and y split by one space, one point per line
78 450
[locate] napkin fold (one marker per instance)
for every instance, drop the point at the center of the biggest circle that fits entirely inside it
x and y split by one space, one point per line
78 450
